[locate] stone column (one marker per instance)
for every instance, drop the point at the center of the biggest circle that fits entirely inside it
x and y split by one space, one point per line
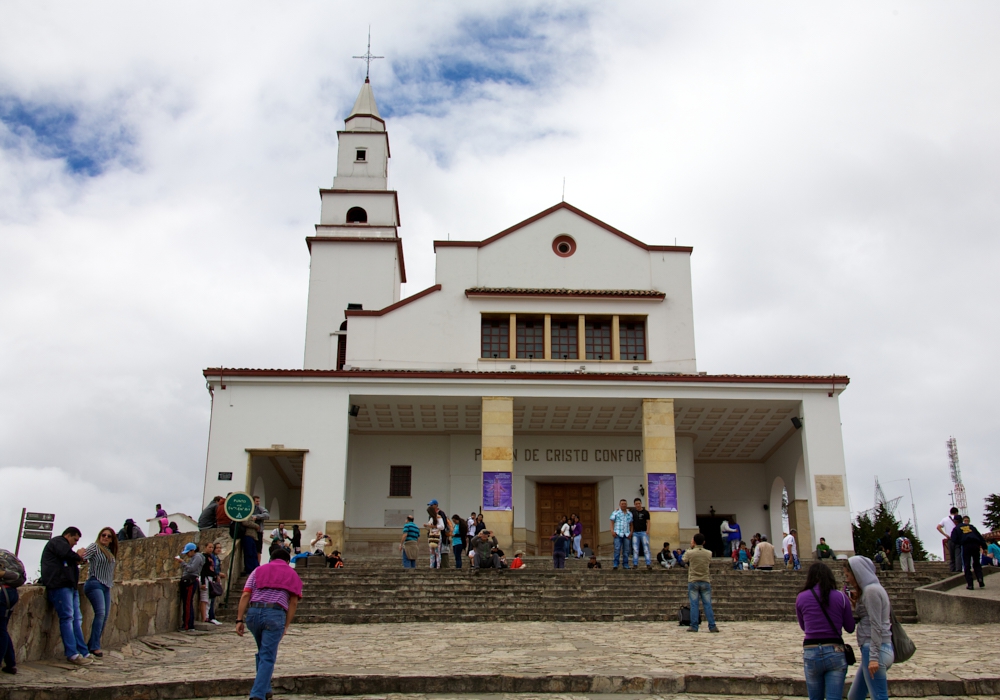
687 511
798 519
498 456
659 455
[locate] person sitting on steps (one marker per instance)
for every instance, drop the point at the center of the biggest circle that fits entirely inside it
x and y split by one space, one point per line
484 549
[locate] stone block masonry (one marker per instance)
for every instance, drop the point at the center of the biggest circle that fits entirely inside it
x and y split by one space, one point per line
144 599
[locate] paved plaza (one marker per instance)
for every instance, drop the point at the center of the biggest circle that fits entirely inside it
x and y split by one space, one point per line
441 655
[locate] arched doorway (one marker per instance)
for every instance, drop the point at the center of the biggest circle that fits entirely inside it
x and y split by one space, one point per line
776 512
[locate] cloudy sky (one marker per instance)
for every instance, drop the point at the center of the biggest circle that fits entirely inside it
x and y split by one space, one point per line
835 167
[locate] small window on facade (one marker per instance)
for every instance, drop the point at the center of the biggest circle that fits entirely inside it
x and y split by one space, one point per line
399 481
530 338
632 339
564 339
598 340
495 337
357 215
360 154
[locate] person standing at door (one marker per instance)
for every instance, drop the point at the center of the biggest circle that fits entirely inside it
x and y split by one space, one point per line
621 531
640 534
577 535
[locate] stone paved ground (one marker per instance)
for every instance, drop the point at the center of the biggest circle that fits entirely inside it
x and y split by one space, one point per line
546 696
544 648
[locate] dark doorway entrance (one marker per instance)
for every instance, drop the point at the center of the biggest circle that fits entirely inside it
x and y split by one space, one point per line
709 526
556 500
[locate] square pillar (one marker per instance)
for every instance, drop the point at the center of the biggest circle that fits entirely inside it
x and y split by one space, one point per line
498 456
659 455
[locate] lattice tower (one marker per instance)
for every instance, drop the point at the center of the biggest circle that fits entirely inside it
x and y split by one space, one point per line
956 477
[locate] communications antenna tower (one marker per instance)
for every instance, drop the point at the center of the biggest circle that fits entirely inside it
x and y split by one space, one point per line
956 477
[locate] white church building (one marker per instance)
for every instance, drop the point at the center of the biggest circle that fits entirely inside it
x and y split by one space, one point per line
549 370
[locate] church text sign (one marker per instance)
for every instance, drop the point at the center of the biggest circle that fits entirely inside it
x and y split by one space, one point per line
572 455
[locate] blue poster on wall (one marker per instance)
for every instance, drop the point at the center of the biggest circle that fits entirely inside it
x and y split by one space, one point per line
662 492
498 493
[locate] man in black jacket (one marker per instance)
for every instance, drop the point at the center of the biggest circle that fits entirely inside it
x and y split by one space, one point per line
60 576
969 541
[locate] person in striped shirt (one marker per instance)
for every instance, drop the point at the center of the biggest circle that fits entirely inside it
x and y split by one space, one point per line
101 577
408 543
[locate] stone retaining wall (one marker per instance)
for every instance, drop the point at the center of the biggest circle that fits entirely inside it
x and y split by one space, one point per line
144 600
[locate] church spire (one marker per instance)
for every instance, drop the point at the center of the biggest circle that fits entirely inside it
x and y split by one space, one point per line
365 105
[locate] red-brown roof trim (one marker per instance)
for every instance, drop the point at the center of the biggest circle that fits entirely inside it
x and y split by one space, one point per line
393 307
578 212
362 239
828 381
648 294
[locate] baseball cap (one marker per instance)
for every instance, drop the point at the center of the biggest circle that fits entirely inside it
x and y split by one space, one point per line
190 547
434 502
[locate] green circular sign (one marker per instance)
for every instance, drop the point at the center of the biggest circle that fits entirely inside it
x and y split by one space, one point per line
239 506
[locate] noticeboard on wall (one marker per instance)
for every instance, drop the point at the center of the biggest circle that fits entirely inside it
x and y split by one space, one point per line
498 493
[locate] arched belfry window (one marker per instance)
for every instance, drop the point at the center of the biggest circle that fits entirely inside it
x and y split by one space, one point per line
357 215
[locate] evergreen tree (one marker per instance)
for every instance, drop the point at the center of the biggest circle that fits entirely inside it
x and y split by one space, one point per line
991 518
867 533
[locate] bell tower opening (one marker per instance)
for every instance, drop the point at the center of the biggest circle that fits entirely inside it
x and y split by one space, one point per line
357 215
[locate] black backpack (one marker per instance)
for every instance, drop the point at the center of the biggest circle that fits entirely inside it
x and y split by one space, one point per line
11 570
684 616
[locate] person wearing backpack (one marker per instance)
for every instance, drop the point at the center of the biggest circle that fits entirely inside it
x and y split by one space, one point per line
824 614
904 552
11 577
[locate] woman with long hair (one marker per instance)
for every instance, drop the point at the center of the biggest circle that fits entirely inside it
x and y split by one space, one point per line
824 613
872 612
577 535
457 539
101 557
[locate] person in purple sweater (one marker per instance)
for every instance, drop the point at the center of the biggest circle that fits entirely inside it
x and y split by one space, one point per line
824 613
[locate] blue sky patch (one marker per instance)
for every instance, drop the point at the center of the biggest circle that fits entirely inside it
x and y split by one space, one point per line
87 144
523 50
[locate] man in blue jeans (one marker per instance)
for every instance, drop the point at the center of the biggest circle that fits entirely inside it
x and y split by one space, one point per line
640 534
621 531
411 533
60 576
697 560
267 607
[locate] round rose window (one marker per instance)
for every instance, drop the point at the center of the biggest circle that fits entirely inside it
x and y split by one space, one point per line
563 246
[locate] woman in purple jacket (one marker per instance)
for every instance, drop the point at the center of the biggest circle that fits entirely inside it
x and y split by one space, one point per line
824 614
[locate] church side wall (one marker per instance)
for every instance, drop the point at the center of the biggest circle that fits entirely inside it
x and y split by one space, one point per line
823 448
297 416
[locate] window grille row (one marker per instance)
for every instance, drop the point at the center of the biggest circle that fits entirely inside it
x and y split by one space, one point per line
529 340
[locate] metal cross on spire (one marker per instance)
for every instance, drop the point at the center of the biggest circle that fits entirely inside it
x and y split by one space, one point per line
368 58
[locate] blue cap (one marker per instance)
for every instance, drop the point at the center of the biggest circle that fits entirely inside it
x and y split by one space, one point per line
433 502
190 547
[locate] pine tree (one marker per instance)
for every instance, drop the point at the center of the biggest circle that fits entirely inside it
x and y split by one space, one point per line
867 533
991 518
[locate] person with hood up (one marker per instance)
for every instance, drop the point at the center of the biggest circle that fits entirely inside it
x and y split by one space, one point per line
874 629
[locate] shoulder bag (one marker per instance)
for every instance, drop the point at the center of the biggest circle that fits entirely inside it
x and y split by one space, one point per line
848 649
902 646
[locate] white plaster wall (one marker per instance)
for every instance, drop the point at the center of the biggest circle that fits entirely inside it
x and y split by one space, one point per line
343 273
823 448
368 174
607 501
380 206
368 477
466 475
298 416
740 489
686 501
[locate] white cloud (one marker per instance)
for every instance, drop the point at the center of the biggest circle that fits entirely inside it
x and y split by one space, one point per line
835 169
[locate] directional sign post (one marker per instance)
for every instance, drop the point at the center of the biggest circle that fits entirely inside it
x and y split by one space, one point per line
239 508
34 526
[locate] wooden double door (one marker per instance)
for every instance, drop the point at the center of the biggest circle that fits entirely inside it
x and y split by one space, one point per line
556 500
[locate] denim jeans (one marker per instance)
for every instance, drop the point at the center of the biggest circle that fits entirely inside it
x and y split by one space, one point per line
267 625
700 590
251 560
638 537
457 550
408 563
864 683
621 550
7 604
66 601
99 596
826 669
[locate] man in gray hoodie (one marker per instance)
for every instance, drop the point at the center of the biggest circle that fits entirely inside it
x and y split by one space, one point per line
874 629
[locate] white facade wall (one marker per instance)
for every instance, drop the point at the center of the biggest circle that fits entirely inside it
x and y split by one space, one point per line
379 205
823 453
370 173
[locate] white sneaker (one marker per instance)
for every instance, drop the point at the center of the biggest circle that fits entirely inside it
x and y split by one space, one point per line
81 660
215 622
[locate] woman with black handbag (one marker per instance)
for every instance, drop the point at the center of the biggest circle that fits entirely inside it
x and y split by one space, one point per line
824 613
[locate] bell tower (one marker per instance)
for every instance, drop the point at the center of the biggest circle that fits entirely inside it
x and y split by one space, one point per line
356 254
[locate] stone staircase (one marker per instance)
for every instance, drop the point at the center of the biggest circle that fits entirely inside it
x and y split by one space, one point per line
381 591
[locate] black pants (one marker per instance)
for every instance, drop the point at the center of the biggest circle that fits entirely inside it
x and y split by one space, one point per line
7 604
955 552
189 600
970 557
492 562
